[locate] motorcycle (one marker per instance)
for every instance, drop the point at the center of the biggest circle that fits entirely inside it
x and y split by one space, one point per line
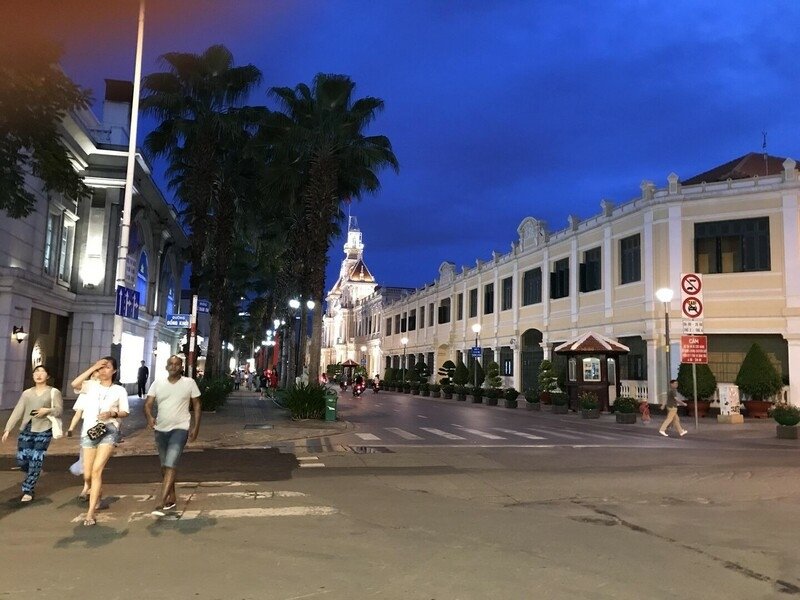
376 387
358 389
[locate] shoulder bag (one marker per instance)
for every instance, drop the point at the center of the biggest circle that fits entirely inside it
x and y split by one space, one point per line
55 422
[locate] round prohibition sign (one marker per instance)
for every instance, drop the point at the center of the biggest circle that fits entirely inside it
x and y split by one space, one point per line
691 284
692 308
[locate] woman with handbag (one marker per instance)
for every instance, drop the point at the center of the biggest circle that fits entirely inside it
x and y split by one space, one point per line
101 404
39 413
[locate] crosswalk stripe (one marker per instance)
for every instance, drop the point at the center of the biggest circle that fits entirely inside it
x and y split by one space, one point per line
368 437
403 434
589 434
444 434
227 513
548 433
488 436
529 436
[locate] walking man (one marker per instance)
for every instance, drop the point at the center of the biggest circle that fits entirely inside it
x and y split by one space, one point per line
173 425
141 379
672 404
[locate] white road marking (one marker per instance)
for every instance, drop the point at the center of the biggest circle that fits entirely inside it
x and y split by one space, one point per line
488 436
422 416
585 434
548 433
311 465
529 436
368 437
286 511
302 458
403 434
444 434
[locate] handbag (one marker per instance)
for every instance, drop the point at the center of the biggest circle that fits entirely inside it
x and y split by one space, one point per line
95 432
55 422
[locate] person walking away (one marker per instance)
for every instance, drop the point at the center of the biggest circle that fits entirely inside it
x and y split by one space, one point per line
141 379
644 409
672 404
33 411
173 425
102 401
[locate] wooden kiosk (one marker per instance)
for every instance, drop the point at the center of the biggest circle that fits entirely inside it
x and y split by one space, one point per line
592 366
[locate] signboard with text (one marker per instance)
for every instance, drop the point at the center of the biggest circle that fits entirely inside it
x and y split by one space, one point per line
694 349
178 321
692 303
476 351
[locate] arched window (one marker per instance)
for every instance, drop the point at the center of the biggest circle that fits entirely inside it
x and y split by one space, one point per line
169 309
141 280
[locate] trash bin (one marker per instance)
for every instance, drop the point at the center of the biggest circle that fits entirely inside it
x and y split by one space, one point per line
330 405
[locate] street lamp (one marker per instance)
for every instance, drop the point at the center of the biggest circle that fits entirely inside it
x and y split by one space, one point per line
363 356
476 328
665 295
404 341
310 304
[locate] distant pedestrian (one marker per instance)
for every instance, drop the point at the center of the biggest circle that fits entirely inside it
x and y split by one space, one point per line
644 409
33 411
141 379
672 403
101 406
237 379
173 425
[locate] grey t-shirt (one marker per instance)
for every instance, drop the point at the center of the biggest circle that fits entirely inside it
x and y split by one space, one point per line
33 400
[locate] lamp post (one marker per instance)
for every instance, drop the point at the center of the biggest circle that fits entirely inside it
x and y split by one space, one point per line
665 295
476 328
404 341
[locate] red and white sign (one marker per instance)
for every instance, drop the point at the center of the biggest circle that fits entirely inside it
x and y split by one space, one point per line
691 284
694 349
692 308
692 301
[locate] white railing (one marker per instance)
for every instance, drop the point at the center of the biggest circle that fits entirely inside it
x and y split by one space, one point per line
636 389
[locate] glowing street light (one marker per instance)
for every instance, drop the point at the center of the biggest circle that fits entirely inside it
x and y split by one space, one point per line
404 341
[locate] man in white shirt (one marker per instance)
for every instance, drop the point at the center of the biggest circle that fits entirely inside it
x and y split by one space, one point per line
172 424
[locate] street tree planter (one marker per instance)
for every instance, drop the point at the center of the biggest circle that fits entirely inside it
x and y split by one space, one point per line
437 394
757 409
787 417
787 432
476 398
534 405
702 408
590 413
511 403
626 418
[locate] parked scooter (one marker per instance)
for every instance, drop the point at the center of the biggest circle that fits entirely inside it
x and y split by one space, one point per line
358 389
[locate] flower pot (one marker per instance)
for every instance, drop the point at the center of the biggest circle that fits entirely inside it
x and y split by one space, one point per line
786 432
626 418
490 401
702 408
544 397
426 392
534 405
436 394
511 404
447 396
461 397
757 409
476 399
560 409
590 413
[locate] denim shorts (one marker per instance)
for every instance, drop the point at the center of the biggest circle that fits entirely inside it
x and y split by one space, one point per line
111 437
170 446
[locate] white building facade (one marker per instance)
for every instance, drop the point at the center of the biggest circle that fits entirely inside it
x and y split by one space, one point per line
738 225
57 266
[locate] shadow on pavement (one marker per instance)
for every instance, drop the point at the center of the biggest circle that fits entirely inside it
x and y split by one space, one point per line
91 537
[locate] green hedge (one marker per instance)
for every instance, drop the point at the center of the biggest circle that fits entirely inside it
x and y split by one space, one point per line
306 401
214 391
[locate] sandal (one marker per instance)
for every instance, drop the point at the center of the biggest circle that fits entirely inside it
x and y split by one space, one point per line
26 498
83 497
89 522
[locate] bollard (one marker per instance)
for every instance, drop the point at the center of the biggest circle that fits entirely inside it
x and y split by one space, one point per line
330 405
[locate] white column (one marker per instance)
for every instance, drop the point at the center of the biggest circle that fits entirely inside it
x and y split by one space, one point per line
675 237
608 272
574 271
791 250
656 377
517 366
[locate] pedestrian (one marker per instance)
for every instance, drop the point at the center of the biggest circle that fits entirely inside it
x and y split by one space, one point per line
237 379
644 409
141 379
173 425
36 409
101 406
672 403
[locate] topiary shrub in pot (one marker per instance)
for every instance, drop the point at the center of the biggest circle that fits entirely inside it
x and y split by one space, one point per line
590 408
560 401
547 381
787 417
447 391
758 379
491 396
532 399
415 387
435 389
706 387
446 372
625 409
461 393
511 396
476 394
425 389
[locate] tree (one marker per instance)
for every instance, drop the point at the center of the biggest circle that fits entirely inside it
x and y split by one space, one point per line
461 374
477 381
446 372
706 382
35 96
205 136
493 375
547 377
319 156
757 377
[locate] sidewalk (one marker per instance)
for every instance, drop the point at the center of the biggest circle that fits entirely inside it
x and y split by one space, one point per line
246 421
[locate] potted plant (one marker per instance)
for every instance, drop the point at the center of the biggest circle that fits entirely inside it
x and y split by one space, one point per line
436 390
447 371
787 417
625 409
461 393
547 381
477 394
759 379
560 401
706 387
589 405
532 399
425 388
460 379
406 387
511 396
492 395
414 385
447 391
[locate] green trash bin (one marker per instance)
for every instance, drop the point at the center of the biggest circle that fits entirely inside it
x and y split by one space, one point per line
330 405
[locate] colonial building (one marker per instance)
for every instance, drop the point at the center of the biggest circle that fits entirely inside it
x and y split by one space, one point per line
738 225
351 326
57 266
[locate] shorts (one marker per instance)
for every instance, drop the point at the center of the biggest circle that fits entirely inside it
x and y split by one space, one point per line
111 437
170 446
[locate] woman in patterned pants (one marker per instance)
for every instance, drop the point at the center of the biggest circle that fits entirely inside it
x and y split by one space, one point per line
34 406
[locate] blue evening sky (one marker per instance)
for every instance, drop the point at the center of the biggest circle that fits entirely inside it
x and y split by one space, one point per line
497 109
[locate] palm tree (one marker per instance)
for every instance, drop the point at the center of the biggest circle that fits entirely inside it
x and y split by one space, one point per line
203 133
319 157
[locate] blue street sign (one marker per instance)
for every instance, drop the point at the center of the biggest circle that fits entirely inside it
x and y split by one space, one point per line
476 351
203 306
178 321
127 304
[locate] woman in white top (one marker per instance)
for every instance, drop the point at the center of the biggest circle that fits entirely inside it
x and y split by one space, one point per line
34 407
100 401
